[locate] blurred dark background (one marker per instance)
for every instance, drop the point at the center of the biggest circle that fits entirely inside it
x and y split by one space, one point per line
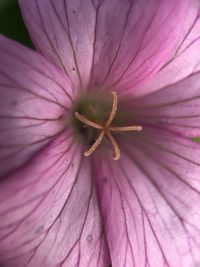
11 22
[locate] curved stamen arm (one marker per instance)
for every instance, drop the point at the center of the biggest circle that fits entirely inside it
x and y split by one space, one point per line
87 122
114 109
126 128
95 145
115 145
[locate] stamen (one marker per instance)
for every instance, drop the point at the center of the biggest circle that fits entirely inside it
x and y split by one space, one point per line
95 145
88 122
114 144
106 129
126 128
114 109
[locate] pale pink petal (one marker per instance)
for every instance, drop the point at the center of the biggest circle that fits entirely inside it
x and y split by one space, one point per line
49 213
175 91
64 32
150 201
108 43
184 62
34 97
176 107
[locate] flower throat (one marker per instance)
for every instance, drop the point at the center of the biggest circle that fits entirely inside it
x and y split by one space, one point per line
105 128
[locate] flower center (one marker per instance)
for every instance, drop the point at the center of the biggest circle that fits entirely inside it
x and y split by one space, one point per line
106 129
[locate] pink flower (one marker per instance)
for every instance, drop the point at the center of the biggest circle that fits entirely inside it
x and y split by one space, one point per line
60 208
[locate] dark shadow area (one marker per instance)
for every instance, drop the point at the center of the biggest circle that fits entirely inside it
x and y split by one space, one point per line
12 25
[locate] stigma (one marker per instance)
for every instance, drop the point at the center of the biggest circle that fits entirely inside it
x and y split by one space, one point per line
106 129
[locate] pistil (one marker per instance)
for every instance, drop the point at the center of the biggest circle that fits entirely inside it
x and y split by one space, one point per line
106 129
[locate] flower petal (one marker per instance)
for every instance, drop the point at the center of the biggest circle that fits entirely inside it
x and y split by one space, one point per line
49 214
175 91
184 62
176 107
107 43
33 99
150 201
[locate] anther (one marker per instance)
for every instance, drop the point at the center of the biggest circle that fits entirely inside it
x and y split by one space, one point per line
106 129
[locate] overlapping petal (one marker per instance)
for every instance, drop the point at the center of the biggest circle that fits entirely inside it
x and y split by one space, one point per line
184 62
49 212
174 99
155 200
34 98
175 107
106 43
